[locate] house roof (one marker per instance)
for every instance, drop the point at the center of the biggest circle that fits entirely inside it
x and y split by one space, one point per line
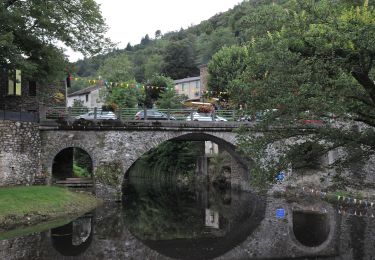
178 81
84 91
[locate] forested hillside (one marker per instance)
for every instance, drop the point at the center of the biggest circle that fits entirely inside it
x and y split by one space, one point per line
178 54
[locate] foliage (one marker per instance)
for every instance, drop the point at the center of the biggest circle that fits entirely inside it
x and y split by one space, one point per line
31 30
126 95
162 91
168 157
164 214
225 66
179 59
169 99
117 69
80 172
316 63
82 163
109 174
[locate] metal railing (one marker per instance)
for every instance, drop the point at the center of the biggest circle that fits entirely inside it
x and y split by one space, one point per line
22 116
126 114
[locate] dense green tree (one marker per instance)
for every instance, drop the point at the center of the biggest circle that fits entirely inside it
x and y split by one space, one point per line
145 40
321 61
125 95
129 47
225 66
158 34
153 65
30 31
179 60
117 69
156 85
208 45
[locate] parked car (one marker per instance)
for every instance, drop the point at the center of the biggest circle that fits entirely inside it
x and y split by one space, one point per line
100 115
152 115
205 117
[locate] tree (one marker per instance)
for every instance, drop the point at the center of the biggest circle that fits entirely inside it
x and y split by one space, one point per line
146 40
117 69
208 45
129 47
225 66
31 30
318 64
158 84
125 95
158 34
179 60
153 65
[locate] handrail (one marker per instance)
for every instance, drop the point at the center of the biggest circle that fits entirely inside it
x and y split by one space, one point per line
126 114
23 116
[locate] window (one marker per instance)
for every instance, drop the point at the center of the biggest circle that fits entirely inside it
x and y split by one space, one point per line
183 87
32 88
197 85
87 97
14 83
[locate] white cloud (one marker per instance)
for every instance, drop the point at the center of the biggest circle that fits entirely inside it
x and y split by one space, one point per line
129 21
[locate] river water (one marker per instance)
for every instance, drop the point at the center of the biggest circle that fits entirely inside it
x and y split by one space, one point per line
171 221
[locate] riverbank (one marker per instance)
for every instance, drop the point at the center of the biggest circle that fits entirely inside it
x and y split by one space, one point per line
25 206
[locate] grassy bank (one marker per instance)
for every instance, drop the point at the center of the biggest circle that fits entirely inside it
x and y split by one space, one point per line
20 206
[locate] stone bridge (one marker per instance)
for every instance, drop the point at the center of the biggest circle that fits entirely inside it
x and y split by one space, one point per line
123 145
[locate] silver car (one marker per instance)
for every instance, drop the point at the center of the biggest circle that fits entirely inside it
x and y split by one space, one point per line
205 117
100 115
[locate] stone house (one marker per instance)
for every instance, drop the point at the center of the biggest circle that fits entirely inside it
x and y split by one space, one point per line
89 97
193 87
22 93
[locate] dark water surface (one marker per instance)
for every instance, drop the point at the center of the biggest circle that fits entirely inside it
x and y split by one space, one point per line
160 221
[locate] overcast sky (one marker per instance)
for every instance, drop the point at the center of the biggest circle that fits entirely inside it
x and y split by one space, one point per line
129 21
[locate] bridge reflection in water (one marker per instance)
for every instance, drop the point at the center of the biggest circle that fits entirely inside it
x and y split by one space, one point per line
187 223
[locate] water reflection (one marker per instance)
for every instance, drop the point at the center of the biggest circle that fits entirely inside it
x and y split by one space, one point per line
74 238
164 223
311 228
185 223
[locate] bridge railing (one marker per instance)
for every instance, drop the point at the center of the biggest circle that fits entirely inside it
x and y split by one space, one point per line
126 114
20 114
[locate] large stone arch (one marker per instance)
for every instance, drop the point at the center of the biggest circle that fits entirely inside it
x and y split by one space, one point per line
123 147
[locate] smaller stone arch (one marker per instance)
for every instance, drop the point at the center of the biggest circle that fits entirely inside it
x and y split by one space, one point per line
72 167
49 161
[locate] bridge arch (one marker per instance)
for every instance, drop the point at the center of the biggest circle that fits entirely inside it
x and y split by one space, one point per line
49 156
124 147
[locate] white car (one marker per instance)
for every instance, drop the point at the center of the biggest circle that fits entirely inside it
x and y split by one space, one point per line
205 117
100 115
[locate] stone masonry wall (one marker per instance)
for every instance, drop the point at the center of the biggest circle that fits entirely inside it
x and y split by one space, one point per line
19 153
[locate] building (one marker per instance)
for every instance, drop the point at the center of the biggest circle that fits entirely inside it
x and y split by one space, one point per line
19 92
193 87
89 97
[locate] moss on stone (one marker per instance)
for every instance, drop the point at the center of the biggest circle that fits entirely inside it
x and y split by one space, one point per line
109 174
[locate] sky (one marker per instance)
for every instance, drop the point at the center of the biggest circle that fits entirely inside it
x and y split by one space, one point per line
130 20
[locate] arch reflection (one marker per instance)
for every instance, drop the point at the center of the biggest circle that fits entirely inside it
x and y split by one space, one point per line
310 228
185 223
74 238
